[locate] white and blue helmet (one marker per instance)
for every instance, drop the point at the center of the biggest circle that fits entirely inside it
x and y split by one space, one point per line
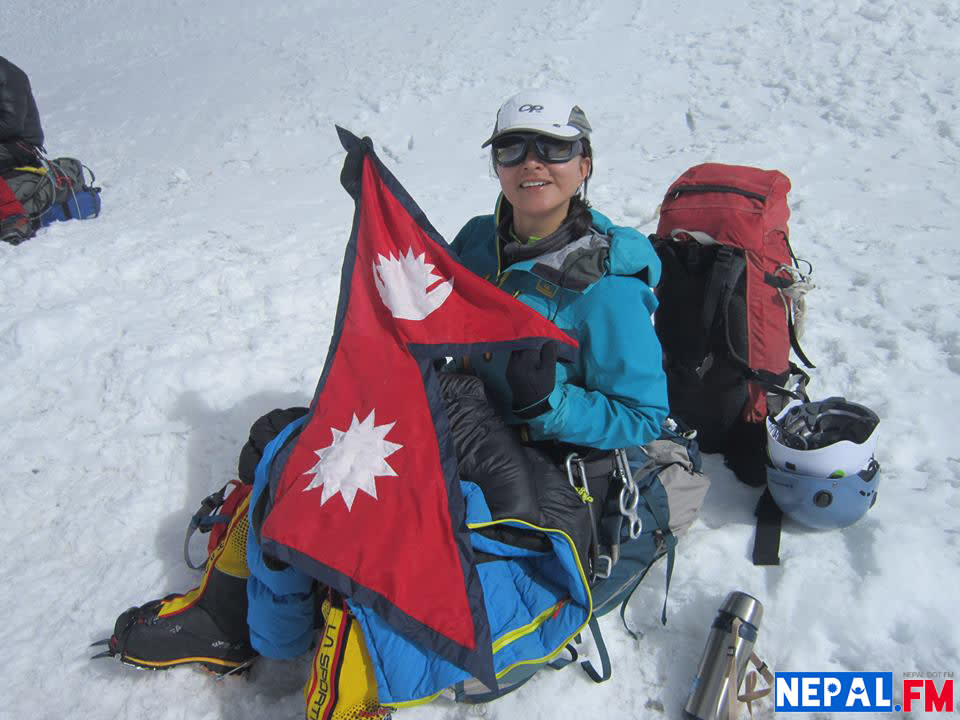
823 473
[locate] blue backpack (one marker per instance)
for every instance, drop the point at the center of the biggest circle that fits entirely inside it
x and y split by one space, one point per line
637 523
57 190
641 499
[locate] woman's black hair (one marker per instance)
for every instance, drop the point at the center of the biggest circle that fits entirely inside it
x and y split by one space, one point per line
579 214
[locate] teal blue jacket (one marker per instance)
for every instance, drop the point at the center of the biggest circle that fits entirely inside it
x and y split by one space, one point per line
599 290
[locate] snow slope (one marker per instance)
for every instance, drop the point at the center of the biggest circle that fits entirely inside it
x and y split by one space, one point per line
136 349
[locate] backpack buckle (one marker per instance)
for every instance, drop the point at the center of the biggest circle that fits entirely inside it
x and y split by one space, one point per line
604 572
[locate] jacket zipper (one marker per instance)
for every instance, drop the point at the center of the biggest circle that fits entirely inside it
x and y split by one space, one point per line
717 188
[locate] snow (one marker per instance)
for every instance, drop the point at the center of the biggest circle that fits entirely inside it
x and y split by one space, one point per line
137 348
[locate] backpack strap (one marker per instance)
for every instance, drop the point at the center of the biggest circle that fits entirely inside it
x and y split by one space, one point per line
795 343
460 693
578 479
605 669
670 545
728 267
594 476
63 180
666 545
204 519
792 284
561 662
669 541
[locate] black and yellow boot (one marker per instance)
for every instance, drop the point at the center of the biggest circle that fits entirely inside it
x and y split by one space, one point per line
207 625
342 684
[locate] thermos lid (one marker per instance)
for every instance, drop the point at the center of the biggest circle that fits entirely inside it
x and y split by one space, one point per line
746 607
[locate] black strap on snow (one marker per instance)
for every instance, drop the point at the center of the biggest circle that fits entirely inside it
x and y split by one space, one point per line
766 541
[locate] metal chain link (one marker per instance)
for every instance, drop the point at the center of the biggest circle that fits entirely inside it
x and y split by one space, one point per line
629 495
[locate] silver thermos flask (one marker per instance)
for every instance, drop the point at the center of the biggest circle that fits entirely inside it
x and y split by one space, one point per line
708 698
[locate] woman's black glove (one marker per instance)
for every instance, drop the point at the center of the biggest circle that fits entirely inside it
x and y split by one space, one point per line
531 375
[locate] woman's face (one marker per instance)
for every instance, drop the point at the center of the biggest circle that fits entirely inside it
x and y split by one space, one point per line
540 192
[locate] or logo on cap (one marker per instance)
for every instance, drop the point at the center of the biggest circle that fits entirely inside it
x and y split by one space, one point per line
530 108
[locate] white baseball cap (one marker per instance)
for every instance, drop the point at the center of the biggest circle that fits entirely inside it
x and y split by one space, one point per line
542 112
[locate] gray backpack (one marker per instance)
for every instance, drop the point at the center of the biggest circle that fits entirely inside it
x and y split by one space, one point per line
58 190
637 523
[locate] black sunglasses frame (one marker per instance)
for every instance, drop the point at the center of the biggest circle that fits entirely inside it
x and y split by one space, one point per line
539 143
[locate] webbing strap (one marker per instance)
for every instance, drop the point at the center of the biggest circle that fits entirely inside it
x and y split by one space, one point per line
671 557
795 344
727 269
766 541
773 383
670 542
734 269
460 694
605 670
204 519
752 693
711 296
733 684
783 284
561 662
623 606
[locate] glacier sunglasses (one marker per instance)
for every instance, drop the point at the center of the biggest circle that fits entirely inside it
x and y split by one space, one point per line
510 150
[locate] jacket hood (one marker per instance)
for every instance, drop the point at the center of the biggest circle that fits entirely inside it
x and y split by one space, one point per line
630 251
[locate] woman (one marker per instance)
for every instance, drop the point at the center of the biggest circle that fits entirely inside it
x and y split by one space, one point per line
570 263
546 246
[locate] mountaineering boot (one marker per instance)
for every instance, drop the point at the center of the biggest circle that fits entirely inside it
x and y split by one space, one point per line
207 625
342 684
15 230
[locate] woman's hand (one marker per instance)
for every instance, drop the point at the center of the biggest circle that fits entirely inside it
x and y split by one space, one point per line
532 375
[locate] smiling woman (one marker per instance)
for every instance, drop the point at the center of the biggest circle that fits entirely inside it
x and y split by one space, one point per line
547 247
539 176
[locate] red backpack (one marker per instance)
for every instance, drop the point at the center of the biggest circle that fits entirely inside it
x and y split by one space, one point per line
728 295
15 226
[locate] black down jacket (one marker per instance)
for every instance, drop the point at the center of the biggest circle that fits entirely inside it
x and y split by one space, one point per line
518 481
19 118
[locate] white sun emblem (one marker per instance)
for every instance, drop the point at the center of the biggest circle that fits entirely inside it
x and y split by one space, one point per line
403 282
353 461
